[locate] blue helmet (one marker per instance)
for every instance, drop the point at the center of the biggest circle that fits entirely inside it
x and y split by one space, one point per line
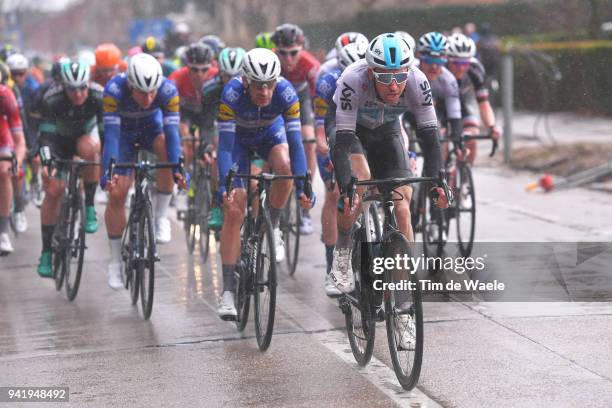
389 51
433 43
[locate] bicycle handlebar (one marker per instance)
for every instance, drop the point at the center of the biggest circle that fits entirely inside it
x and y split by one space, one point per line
395 182
267 177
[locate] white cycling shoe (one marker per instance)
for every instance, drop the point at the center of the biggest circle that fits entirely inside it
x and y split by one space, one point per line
279 245
330 288
342 270
163 230
114 276
227 309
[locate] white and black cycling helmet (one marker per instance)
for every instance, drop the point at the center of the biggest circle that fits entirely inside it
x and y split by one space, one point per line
349 38
145 72
261 64
350 53
461 46
17 62
409 39
75 74
389 51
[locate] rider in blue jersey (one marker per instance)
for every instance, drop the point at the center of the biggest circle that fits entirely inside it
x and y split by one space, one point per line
326 87
259 112
140 107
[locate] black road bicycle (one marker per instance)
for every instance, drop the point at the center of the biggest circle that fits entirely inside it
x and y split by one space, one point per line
403 309
138 248
256 270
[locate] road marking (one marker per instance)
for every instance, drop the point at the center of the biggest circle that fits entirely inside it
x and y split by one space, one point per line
376 372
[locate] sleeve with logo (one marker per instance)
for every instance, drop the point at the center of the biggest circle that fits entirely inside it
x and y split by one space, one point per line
227 129
291 115
170 105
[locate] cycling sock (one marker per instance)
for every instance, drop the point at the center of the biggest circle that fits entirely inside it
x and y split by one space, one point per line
19 202
4 224
275 214
229 283
162 203
344 238
329 256
47 236
115 249
90 192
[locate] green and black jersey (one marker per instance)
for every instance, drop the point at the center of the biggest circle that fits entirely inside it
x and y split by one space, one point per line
61 119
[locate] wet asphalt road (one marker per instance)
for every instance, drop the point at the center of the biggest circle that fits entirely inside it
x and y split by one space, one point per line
476 354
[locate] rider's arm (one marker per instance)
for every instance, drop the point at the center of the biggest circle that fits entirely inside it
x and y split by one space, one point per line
170 110
11 111
477 75
453 110
346 105
427 130
112 130
326 84
227 133
293 129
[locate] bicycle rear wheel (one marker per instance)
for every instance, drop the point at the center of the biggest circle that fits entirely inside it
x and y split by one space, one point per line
146 261
290 228
404 316
466 210
264 287
75 250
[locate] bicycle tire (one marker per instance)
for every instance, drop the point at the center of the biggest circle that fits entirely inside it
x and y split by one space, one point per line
146 261
466 241
361 336
76 249
290 228
203 201
407 372
190 225
58 244
265 277
243 297
129 241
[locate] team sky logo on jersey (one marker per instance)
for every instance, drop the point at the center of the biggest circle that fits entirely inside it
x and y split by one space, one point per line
293 112
225 112
426 91
231 95
109 104
173 104
288 94
345 99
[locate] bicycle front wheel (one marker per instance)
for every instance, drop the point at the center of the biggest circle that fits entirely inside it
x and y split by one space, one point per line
403 315
290 227
59 243
466 211
75 251
264 287
146 261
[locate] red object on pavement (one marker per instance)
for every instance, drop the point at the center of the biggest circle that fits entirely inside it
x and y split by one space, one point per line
547 182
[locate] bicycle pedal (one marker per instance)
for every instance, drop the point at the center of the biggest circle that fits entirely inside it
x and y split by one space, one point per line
229 318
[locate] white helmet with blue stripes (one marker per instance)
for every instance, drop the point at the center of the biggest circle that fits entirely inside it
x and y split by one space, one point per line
389 51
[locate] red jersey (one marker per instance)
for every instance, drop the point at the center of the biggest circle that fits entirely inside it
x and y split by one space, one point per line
10 121
304 74
191 98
